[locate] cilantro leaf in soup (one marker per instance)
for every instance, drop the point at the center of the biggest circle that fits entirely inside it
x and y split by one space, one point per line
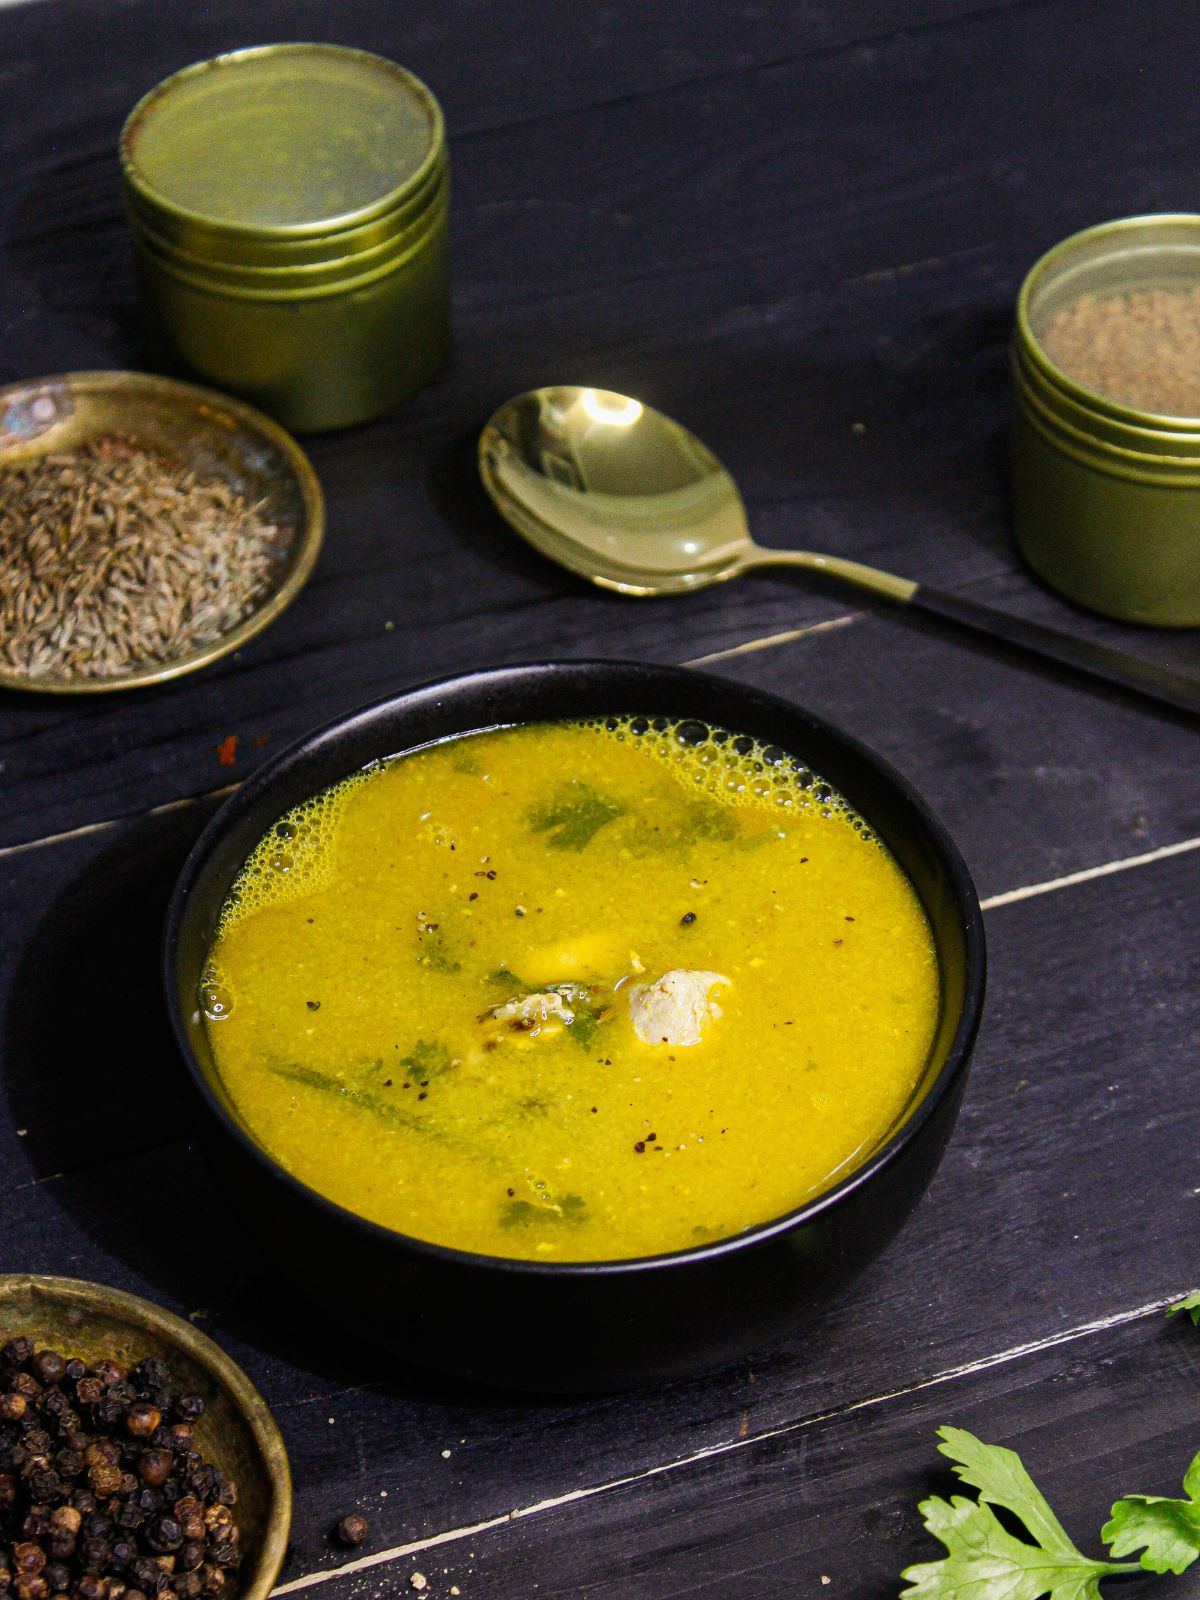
571 1208
427 1059
1166 1531
505 978
433 949
574 816
708 819
587 1020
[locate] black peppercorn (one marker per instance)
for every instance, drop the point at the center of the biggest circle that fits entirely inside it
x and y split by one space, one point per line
109 1410
94 1554
152 1374
28 1558
123 1555
103 1495
154 1467
50 1366
46 1487
351 1529
148 1575
142 1418
104 1479
164 1535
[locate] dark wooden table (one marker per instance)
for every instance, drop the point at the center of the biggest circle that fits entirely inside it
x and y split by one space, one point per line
800 227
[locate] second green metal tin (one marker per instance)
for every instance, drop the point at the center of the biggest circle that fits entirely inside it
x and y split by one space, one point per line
1106 498
289 215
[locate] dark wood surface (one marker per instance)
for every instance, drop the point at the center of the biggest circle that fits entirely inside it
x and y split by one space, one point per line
777 221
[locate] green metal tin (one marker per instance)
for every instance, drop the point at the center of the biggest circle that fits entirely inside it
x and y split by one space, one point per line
1106 498
288 207
292 276
255 252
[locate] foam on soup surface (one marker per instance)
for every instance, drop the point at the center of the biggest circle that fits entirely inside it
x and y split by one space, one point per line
573 991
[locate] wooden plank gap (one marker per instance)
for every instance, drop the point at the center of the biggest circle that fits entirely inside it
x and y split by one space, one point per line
115 822
724 1447
770 641
1086 874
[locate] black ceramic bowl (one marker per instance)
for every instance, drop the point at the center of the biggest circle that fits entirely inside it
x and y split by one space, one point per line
558 1326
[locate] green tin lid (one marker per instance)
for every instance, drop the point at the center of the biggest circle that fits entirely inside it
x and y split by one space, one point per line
282 141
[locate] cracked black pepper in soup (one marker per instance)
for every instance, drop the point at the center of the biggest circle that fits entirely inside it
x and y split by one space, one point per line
103 1494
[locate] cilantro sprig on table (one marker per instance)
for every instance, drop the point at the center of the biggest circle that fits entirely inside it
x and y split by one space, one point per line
986 1561
1188 1306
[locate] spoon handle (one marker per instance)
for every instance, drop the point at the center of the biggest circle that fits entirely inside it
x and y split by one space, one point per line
1095 660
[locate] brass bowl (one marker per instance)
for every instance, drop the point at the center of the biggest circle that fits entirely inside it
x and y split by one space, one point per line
237 1432
209 431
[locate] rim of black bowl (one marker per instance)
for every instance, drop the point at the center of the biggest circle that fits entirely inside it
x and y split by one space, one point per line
513 677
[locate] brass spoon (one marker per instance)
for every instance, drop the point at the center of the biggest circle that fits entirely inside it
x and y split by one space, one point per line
624 496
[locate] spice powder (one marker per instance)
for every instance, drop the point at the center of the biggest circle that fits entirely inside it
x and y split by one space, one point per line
1140 348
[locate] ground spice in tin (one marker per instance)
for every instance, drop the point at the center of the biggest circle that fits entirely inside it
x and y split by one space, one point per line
113 558
103 1495
1140 348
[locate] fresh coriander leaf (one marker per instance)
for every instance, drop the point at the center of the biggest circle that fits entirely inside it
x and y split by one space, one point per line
575 816
587 1020
432 948
571 1208
1001 1479
426 1059
1190 1305
985 1561
504 978
706 819
1166 1531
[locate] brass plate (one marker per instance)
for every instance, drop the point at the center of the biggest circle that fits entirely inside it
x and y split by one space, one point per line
209 431
237 1432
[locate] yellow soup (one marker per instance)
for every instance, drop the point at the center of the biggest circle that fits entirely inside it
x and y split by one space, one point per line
573 991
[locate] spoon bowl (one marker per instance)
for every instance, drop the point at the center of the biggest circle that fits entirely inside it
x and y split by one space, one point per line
615 491
622 495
